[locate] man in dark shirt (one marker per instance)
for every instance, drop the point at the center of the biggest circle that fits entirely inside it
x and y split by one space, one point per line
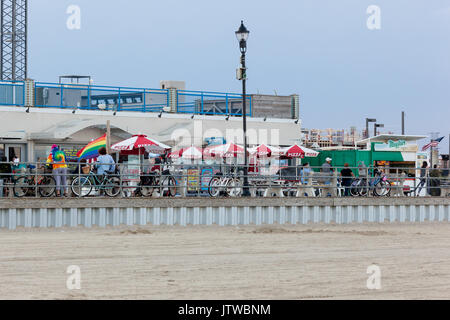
347 177
5 169
5 173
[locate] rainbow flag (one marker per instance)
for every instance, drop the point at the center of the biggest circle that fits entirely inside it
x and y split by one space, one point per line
91 150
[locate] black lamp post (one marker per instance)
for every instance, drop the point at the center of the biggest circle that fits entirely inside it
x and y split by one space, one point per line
367 126
242 36
377 125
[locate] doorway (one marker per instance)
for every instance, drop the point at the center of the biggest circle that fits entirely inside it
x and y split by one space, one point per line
15 150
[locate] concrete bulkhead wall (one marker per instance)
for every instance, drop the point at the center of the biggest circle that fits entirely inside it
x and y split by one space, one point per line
44 213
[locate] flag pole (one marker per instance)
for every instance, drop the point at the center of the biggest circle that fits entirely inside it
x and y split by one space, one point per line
108 136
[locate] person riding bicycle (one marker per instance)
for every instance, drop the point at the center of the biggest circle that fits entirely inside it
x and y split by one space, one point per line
105 163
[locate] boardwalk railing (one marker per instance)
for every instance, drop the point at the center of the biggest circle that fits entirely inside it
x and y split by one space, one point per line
217 180
12 93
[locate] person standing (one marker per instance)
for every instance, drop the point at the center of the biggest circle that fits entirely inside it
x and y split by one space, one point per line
57 160
5 173
347 177
304 173
435 182
423 177
327 170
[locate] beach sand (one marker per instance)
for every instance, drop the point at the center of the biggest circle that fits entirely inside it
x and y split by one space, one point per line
210 262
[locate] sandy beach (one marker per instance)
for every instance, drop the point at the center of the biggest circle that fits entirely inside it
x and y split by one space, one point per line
210 262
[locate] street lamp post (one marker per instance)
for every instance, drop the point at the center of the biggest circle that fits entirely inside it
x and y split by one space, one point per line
367 126
377 125
242 36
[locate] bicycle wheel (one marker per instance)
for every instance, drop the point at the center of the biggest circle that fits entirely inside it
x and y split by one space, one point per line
172 186
112 187
147 186
234 187
354 188
380 189
47 187
214 187
21 187
81 186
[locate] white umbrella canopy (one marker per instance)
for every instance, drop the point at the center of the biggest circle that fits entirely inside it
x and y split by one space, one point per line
139 142
264 150
297 151
229 150
191 152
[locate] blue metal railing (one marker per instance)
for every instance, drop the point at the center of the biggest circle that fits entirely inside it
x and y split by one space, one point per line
89 97
12 93
211 103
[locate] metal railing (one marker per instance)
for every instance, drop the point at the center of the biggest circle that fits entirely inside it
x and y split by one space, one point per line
111 98
216 180
211 103
90 97
12 93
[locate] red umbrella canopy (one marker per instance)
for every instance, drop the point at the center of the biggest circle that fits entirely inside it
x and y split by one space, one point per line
297 151
264 150
140 142
187 153
224 151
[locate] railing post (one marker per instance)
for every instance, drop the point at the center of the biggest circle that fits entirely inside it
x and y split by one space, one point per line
89 97
62 93
202 104
118 102
144 100
35 181
226 103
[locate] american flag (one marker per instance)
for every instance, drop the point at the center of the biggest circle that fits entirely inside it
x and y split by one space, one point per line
434 143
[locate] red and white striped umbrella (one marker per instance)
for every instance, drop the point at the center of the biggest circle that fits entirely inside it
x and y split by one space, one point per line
297 151
228 150
187 153
140 141
264 150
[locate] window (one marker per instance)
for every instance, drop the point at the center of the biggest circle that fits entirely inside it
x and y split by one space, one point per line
2 150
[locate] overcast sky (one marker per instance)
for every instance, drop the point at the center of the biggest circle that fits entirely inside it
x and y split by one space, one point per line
320 49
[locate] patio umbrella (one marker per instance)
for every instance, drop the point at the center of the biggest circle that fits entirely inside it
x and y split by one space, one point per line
264 150
140 143
229 150
187 153
297 151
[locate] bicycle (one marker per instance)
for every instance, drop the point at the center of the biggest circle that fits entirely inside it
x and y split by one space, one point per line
379 184
151 182
45 185
228 185
82 186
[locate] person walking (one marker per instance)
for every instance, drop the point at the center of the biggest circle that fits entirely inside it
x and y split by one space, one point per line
423 177
57 160
346 179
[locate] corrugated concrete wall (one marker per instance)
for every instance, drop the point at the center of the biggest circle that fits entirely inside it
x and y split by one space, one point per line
102 212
